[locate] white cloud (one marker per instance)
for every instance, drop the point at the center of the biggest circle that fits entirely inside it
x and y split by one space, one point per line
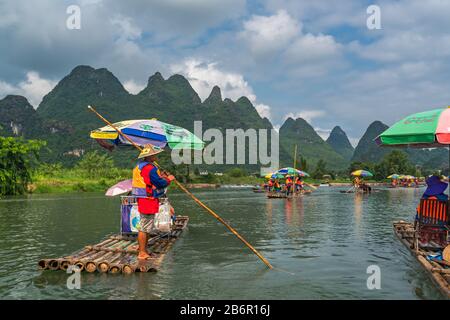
323 133
279 43
133 87
263 110
204 76
180 21
353 141
308 115
267 34
310 48
128 29
34 88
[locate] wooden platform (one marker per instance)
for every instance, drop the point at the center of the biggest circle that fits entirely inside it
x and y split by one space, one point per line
118 253
439 271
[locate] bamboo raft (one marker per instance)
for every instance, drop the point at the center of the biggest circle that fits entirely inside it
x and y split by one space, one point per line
118 253
277 195
439 270
282 195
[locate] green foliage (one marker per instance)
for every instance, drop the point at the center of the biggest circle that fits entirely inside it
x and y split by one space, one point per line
49 169
320 170
16 157
394 162
95 164
237 172
303 164
358 165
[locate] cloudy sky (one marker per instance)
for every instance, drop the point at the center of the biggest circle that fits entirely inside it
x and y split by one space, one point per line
312 59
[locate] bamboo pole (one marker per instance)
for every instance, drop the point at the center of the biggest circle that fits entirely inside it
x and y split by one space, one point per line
295 156
201 204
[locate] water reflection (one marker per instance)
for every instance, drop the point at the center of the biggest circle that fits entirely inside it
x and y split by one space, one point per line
358 208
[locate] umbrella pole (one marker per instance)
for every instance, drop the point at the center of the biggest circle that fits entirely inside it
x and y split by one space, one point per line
210 211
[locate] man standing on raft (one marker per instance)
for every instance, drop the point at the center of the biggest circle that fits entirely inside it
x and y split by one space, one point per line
148 186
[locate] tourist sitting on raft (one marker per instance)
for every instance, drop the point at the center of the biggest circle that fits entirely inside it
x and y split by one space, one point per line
289 185
435 188
148 186
298 184
277 186
394 183
270 185
361 186
356 182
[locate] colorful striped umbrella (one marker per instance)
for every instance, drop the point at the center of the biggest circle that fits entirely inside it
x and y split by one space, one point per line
292 171
394 176
361 173
144 132
274 176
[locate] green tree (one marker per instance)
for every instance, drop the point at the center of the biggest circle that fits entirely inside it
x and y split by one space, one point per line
16 158
358 165
320 170
303 164
49 169
237 172
97 165
394 162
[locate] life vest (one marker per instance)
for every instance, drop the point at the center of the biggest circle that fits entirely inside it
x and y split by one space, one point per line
298 182
288 181
139 187
270 183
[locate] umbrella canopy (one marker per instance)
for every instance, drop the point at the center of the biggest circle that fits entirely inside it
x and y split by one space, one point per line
292 171
420 130
150 131
423 129
274 175
119 188
394 176
362 173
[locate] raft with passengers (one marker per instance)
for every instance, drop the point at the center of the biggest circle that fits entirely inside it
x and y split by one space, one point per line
149 224
427 236
287 183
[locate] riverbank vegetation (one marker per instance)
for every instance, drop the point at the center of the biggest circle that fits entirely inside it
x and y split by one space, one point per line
16 159
22 172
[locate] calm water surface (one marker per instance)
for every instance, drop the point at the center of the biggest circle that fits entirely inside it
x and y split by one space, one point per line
320 244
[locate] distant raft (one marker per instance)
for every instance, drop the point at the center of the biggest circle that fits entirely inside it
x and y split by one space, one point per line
118 253
439 270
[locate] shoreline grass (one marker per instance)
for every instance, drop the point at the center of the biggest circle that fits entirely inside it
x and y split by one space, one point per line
76 180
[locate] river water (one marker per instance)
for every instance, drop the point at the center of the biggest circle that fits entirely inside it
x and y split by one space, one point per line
321 246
